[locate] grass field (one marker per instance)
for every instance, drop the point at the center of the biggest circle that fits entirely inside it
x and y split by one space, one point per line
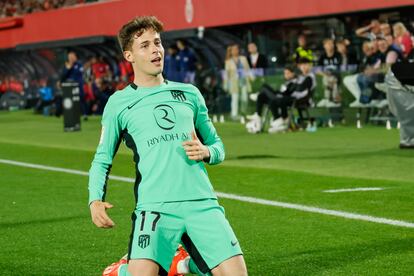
45 228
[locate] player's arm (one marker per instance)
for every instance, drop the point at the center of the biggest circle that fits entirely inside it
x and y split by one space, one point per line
208 145
101 165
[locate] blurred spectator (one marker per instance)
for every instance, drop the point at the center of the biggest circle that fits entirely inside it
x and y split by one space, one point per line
389 55
330 62
393 46
360 85
102 91
186 62
73 71
302 51
237 80
126 71
301 96
371 31
347 57
10 8
45 98
89 95
204 80
402 38
171 64
100 69
257 61
385 29
267 95
11 84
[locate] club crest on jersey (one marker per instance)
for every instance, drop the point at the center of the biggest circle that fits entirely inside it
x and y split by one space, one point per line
164 116
143 241
178 95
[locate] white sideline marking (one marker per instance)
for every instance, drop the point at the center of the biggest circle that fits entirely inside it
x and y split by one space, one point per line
299 207
353 190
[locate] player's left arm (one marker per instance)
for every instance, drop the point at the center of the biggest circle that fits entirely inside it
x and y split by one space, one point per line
205 145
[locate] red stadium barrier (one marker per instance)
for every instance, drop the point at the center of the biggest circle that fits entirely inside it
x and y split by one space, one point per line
106 18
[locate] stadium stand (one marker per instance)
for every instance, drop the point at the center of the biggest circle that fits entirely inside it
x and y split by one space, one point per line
12 8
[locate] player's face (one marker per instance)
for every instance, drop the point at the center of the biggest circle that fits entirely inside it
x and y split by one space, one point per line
147 53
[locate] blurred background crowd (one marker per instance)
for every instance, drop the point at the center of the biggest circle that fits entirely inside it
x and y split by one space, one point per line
348 63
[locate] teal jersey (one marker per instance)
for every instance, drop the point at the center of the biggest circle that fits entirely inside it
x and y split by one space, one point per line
154 122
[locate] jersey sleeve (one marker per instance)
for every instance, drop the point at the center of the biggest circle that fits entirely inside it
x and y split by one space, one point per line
102 162
207 133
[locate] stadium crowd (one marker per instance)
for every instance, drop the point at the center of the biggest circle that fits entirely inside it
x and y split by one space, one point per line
383 45
11 8
336 61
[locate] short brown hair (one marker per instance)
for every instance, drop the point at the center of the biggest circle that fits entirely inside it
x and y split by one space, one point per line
136 27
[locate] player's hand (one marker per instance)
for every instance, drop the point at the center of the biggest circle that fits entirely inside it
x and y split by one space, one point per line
99 216
195 150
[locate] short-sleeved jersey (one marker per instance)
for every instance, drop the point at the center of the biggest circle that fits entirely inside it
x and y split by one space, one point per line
154 122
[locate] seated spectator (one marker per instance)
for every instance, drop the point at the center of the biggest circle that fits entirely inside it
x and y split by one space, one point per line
393 46
402 38
267 95
389 55
300 94
330 62
360 82
348 58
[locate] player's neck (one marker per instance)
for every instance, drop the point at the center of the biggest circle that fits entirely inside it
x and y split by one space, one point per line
148 81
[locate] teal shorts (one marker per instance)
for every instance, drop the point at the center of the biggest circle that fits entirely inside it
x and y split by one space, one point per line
199 225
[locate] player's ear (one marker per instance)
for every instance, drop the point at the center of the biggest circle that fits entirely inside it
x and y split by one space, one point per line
128 56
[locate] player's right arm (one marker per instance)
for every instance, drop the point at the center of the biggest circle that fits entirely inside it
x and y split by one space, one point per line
101 165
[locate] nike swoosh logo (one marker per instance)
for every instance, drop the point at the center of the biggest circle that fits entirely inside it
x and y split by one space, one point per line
234 243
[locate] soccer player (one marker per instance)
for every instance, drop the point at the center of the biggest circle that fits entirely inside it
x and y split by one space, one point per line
167 127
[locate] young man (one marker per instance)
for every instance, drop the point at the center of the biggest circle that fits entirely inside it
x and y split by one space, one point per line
166 125
265 97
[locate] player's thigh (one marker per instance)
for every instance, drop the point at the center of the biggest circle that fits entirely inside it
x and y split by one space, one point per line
209 237
234 266
155 236
143 267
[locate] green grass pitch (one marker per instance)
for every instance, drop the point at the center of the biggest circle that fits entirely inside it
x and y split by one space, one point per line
45 228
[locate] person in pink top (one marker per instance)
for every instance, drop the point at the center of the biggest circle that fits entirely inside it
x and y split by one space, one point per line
402 38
